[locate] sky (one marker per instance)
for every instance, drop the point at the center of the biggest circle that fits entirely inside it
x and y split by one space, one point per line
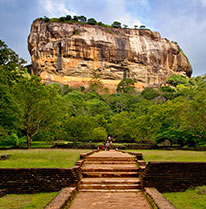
183 21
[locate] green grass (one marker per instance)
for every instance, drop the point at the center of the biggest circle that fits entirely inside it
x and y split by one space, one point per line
172 155
190 199
26 201
41 158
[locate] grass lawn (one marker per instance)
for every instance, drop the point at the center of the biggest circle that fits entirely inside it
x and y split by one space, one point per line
26 201
190 199
41 158
172 155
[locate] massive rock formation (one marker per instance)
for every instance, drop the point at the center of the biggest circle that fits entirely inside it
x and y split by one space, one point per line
74 53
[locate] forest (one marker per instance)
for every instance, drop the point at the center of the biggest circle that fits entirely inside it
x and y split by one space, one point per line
31 110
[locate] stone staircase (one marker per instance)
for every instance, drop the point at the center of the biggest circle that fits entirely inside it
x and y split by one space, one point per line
110 171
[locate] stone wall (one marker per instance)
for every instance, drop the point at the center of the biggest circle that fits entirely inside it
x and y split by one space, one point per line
35 180
173 176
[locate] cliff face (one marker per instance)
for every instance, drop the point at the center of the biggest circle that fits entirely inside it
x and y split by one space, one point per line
73 54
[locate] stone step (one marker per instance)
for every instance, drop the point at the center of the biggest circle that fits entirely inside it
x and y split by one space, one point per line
110 190
111 169
110 181
110 174
111 162
110 186
111 158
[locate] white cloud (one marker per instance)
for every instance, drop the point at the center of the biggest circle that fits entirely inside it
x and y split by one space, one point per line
186 25
115 10
203 3
55 8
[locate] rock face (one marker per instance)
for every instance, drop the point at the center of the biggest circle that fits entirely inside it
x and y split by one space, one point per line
74 53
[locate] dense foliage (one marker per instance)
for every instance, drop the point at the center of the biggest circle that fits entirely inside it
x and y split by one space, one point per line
83 20
30 110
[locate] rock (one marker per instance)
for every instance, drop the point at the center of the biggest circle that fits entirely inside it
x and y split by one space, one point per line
74 53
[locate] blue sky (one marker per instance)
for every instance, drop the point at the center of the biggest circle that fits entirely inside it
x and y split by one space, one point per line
183 21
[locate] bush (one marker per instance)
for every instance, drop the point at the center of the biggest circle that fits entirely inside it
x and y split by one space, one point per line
68 17
75 18
116 24
11 140
46 19
62 19
91 21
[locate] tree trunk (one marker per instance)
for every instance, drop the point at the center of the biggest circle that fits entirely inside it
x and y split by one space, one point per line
28 139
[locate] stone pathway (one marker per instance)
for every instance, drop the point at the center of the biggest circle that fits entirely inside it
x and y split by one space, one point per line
110 181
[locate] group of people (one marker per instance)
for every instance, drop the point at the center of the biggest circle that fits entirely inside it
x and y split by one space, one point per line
108 144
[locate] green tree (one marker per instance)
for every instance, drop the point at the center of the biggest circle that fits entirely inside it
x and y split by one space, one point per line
96 85
118 102
79 127
62 19
91 21
38 105
175 80
82 19
11 66
142 27
116 24
11 71
98 134
120 127
75 18
96 106
126 85
149 93
68 18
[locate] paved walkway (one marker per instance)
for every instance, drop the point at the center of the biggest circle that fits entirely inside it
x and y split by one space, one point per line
110 181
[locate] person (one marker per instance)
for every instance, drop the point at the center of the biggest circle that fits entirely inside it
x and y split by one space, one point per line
107 146
109 139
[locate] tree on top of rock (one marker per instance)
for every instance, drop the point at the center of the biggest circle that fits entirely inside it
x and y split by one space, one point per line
116 24
91 21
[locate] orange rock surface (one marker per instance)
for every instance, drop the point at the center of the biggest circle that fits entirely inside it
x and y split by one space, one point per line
75 53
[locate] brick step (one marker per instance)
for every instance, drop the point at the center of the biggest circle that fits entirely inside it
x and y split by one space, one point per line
111 162
110 174
110 190
111 158
111 169
110 181
110 186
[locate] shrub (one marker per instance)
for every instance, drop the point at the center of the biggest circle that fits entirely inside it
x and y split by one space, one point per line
116 24
68 17
62 19
75 18
46 19
82 19
91 21
75 32
126 86
11 140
